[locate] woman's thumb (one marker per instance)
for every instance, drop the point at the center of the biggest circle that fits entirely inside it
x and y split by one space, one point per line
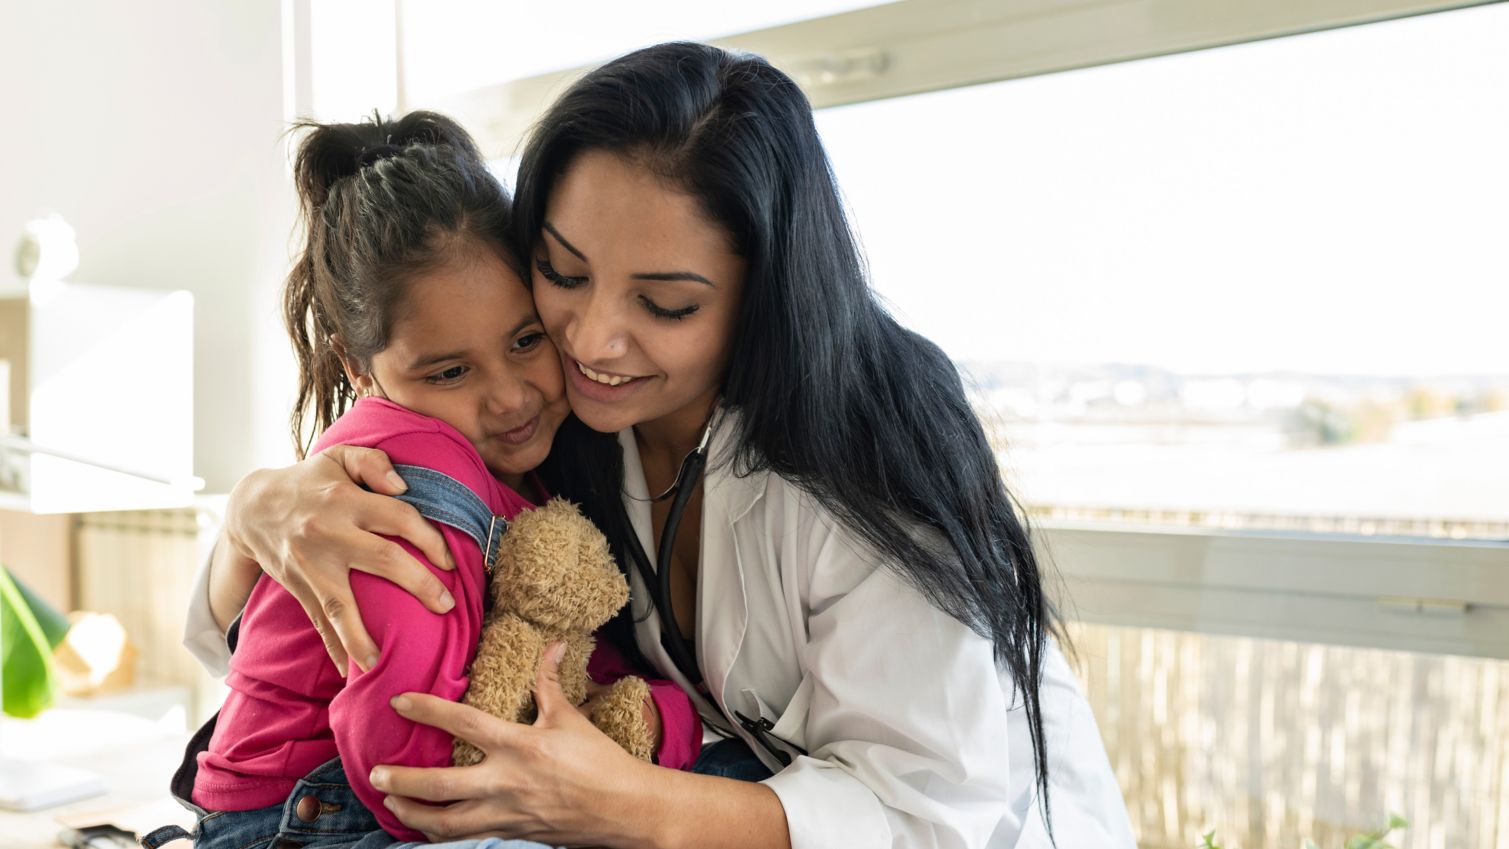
548 697
369 467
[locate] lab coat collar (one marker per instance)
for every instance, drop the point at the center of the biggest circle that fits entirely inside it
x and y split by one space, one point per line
722 605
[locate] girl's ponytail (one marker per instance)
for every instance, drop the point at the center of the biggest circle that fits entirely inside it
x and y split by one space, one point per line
379 200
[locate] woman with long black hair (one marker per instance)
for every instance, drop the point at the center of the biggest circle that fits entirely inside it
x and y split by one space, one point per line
852 594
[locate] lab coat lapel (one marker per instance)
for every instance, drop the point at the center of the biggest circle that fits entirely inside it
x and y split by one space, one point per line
722 594
722 603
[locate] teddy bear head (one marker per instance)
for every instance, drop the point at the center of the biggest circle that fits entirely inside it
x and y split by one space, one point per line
553 569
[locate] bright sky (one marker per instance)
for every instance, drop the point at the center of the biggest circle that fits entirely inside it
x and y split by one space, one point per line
1335 202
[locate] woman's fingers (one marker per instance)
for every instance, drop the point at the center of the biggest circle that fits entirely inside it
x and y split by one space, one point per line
399 519
370 467
433 784
463 820
331 607
367 466
548 696
483 730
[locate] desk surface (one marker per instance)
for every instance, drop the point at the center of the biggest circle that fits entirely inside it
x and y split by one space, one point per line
136 756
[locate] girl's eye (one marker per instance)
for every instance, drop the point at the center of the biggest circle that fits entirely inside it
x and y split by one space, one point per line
450 375
661 312
555 277
528 342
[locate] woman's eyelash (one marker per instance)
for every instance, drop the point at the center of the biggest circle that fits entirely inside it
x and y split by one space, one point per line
555 277
661 312
558 279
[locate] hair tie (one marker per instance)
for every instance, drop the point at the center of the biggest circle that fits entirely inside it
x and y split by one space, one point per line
376 153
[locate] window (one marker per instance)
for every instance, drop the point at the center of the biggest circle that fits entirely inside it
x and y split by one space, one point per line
1258 286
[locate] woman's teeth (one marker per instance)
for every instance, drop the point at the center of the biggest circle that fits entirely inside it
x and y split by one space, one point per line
606 380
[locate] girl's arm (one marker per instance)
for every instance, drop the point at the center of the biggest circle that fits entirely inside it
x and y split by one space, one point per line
307 526
418 651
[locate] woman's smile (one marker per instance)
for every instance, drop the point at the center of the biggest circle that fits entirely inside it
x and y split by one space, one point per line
601 386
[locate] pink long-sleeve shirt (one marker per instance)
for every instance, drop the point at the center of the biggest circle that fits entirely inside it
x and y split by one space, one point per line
289 710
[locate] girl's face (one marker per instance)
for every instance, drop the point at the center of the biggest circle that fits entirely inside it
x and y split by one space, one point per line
469 349
639 291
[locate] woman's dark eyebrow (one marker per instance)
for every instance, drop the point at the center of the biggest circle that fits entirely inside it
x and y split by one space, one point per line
675 275
659 275
550 228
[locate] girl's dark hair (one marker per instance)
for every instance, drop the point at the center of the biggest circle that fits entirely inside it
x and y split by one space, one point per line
382 200
834 394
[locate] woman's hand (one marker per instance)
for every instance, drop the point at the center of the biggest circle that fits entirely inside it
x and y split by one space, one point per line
559 781
310 524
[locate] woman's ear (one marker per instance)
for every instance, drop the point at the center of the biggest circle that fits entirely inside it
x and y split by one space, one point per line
358 377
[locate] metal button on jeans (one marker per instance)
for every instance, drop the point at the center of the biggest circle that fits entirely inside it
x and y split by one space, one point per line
307 809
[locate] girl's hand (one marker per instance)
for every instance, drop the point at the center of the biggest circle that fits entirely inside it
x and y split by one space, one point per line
559 781
309 524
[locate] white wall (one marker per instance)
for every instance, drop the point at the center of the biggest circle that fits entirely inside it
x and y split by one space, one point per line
155 129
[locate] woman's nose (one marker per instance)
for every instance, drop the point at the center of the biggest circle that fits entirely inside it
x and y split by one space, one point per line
596 333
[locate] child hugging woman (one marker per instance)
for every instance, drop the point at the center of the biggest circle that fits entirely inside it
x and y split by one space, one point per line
416 334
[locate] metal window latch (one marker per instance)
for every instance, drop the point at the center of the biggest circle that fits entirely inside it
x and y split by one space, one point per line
1424 606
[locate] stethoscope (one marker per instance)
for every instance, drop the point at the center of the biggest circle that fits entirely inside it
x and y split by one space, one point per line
679 649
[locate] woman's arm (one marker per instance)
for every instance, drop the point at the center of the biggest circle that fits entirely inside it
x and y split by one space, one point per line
307 526
561 781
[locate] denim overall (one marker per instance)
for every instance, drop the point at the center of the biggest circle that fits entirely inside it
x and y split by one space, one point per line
322 810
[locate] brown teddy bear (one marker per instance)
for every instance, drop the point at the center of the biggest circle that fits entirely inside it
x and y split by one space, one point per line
553 579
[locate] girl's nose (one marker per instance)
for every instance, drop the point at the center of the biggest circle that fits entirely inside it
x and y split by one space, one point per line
509 395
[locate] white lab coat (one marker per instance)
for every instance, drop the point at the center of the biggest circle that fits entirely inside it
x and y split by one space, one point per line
913 736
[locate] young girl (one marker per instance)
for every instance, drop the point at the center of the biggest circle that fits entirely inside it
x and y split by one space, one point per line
408 302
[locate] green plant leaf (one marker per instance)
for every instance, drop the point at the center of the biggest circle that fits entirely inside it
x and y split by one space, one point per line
25 655
53 623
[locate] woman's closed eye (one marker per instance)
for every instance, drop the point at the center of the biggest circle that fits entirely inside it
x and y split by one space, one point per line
673 314
555 277
447 376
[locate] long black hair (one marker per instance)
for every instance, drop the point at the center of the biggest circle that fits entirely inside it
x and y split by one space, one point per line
834 395
380 200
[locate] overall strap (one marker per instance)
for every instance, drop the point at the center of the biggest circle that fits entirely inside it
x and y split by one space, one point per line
441 498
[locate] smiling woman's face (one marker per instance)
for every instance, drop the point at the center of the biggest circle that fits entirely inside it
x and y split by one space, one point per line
639 291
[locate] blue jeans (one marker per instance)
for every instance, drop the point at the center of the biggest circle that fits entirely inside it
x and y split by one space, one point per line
322 812
730 758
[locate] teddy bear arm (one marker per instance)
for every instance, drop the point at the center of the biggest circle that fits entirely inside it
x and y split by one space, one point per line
502 676
619 713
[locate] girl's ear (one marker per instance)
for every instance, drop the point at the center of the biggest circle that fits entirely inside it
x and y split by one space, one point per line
358 377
